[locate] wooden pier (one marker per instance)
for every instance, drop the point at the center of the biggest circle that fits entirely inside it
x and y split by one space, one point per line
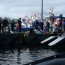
20 39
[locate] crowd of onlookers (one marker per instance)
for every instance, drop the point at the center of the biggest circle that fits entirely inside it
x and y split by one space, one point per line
57 25
49 26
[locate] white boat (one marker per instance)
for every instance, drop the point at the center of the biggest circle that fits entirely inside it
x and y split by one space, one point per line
49 38
56 41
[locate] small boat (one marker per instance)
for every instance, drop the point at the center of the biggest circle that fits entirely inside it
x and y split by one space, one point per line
25 29
56 41
48 40
59 41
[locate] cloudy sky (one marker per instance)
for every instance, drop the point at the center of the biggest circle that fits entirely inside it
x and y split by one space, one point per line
20 8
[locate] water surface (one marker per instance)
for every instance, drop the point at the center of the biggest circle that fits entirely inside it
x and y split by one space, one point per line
24 55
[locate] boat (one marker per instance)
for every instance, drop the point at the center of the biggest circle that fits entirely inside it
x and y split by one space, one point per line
56 41
48 40
59 41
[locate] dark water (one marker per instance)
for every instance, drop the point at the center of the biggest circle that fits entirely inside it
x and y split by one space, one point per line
24 55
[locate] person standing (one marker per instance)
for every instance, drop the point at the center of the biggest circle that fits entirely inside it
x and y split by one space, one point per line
0 26
47 26
19 22
12 25
64 25
36 25
59 25
41 25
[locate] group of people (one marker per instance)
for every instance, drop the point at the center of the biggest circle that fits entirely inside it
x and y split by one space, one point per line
57 25
3 24
39 25
10 26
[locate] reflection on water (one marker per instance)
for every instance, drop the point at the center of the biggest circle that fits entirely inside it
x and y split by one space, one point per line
23 56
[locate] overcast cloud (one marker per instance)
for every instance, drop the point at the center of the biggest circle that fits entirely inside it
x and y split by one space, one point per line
20 8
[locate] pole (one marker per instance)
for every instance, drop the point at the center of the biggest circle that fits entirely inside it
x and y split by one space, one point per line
42 10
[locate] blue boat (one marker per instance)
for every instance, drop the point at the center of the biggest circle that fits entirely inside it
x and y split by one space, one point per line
26 29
